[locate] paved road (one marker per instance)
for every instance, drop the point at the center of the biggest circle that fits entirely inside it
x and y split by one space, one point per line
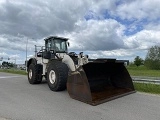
21 101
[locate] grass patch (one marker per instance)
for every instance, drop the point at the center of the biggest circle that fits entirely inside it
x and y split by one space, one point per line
142 71
148 88
14 71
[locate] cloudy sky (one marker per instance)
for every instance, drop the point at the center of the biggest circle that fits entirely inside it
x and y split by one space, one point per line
121 29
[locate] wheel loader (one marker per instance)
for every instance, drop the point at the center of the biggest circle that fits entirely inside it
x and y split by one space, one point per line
92 82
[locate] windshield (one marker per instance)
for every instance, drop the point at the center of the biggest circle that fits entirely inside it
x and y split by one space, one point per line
60 45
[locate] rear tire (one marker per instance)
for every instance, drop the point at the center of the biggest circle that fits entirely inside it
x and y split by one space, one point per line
33 76
57 75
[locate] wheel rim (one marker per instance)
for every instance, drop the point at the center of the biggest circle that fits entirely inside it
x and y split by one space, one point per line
30 74
52 77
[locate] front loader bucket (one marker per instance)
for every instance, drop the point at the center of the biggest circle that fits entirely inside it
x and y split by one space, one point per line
99 81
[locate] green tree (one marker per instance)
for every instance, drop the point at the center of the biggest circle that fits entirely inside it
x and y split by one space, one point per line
138 61
7 64
152 60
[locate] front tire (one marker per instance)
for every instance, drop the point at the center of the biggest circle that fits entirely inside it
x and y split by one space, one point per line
33 76
57 74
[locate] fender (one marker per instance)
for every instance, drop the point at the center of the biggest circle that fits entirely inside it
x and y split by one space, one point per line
68 60
32 60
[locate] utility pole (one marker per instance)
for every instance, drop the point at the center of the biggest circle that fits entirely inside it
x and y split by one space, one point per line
26 53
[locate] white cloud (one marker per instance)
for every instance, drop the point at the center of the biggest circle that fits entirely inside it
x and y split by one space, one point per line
99 6
111 53
143 39
155 26
97 35
40 18
102 37
16 43
138 9
3 54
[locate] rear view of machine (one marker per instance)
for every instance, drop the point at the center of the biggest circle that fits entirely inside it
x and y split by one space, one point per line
92 82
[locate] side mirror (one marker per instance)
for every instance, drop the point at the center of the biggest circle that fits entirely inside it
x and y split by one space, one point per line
68 44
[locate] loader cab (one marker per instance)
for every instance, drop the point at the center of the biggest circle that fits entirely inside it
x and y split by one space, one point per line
56 44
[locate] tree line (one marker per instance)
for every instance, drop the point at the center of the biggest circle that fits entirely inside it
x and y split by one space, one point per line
7 64
152 59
